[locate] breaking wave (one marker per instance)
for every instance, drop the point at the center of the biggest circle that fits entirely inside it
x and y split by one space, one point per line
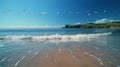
54 38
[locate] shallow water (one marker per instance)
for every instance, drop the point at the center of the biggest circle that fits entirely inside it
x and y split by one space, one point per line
50 47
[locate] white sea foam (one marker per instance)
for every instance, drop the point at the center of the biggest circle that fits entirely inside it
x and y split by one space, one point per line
73 55
30 51
16 37
86 53
66 38
99 60
36 53
3 60
10 59
23 57
56 37
17 63
115 49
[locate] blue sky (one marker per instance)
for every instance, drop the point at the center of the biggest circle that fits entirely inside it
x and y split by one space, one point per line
29 13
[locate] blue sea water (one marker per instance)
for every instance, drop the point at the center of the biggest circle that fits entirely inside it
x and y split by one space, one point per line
13 41
112 39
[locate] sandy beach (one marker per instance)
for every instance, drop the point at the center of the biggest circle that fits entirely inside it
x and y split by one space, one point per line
56 55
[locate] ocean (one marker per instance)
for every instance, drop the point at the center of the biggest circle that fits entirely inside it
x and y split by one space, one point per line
59 47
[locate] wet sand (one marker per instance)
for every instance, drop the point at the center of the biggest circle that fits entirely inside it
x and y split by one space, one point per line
59 55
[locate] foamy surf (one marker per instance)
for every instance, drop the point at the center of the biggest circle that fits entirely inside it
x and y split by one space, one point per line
55 38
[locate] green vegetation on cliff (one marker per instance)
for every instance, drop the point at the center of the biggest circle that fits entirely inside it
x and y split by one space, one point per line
95 25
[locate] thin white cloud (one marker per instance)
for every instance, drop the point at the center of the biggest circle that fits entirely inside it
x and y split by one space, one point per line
43 13
58 13
70 12
89 14
78 23
104 11
104 20
43 26
78 12
95 11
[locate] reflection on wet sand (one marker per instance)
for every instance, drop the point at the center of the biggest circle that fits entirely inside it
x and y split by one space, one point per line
60 55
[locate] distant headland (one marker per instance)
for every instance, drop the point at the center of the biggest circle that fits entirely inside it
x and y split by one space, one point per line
115 24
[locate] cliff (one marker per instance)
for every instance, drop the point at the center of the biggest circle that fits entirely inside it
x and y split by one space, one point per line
95 25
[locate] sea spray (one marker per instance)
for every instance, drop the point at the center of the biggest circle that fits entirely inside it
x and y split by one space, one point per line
56 37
